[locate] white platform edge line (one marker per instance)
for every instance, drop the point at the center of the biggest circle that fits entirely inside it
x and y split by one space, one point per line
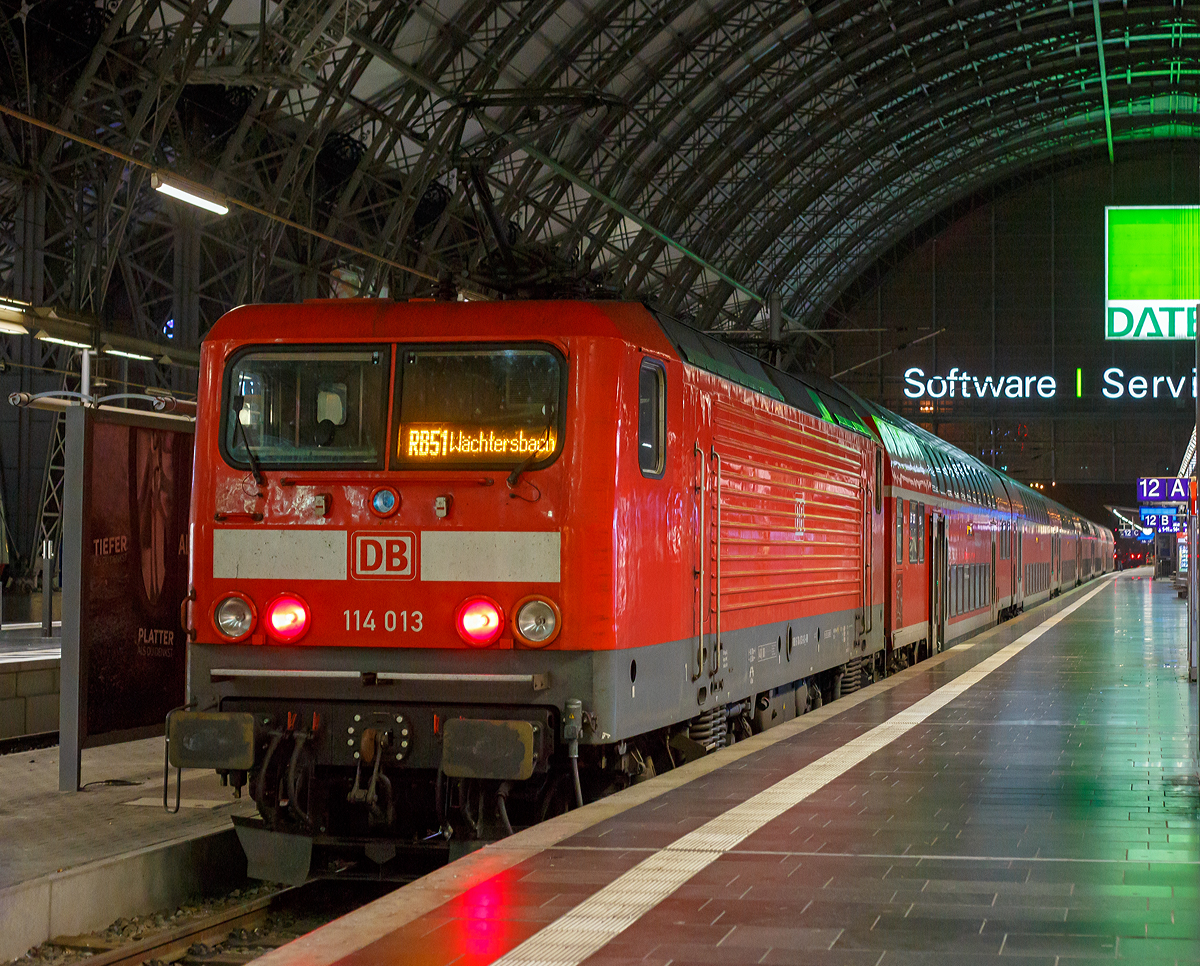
583 931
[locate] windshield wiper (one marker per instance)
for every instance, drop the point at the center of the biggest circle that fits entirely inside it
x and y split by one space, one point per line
521 468
532 457
240 401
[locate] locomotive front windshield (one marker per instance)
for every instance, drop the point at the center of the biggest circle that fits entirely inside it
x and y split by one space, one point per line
486 407
312 407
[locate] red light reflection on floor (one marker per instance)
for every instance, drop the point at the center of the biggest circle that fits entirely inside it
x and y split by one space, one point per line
483 928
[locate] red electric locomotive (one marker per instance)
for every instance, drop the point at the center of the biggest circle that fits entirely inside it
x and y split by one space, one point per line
453 564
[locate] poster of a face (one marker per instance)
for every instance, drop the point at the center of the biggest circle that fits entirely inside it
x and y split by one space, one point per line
134 575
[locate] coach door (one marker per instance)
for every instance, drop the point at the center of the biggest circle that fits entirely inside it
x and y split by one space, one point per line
1018 565
939 582
992 596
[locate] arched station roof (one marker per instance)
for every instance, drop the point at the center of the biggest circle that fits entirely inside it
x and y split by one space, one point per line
702 154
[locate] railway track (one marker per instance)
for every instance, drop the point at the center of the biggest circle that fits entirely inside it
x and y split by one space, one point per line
230 936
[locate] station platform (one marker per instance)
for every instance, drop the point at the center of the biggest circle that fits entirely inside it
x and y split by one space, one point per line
1031 793
29 680
71 862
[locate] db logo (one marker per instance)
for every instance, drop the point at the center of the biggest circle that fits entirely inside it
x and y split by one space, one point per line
386 556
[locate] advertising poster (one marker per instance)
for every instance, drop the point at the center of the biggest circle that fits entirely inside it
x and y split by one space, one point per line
134 577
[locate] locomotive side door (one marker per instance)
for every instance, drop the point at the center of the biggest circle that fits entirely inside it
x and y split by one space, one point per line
939 581
871 504
705 494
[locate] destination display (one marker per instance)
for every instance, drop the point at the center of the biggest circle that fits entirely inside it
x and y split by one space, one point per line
1152 272
1163 489
441 443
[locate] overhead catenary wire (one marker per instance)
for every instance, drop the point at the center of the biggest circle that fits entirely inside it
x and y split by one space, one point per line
900 347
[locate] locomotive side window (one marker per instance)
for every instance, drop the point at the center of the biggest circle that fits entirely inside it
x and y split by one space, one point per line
310 407
488 406
652 455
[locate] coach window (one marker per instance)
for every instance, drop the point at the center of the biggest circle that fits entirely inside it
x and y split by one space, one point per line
652 436
920 533
913 531
899 530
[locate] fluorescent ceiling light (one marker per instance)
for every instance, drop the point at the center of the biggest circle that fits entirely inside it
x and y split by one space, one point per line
45 336
13 312
141 356
191 193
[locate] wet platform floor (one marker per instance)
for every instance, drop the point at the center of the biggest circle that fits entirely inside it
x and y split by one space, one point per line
1047 813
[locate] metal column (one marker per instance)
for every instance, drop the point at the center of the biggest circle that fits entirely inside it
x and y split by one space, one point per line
1193 597
71 686
1193 567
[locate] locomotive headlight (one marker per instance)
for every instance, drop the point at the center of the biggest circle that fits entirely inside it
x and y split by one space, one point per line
234 617
479 621
385 501
536 621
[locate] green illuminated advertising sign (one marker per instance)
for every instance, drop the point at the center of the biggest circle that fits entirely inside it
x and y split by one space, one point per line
1152 272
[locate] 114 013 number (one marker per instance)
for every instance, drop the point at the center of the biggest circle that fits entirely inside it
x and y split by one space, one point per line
404 620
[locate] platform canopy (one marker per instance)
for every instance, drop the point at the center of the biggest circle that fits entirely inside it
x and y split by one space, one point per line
700 154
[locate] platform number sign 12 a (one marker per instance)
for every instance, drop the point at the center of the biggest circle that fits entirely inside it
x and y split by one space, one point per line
1163 489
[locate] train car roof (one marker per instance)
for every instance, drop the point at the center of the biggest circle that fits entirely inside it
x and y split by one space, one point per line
811 393
386 319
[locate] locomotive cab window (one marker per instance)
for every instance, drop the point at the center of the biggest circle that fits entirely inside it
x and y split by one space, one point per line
478 406
319 406
652 436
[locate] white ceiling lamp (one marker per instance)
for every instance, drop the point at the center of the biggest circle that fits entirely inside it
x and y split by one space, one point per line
45 336
125 354
193 194
12 316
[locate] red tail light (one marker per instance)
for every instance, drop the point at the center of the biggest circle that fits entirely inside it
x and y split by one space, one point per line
288 618
479 621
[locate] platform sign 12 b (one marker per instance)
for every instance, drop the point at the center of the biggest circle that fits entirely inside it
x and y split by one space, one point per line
1164 522
1164 489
